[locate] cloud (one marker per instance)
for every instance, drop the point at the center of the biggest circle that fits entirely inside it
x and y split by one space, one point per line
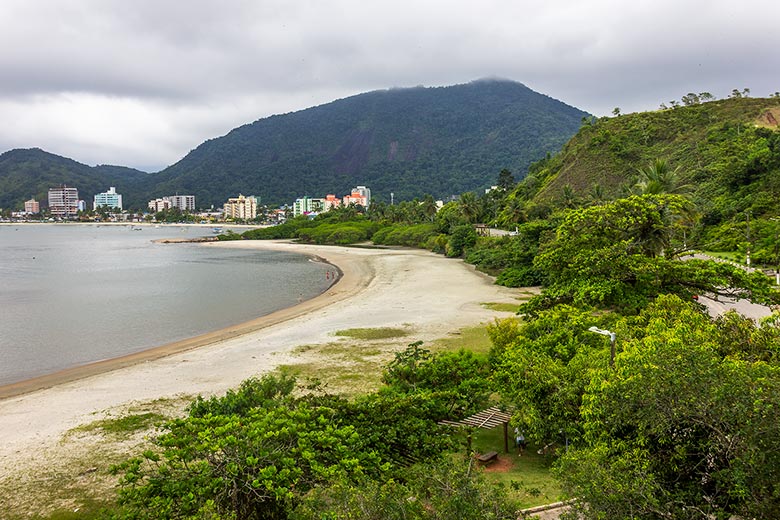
143 82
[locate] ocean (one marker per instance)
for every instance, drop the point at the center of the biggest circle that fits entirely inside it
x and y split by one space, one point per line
71 294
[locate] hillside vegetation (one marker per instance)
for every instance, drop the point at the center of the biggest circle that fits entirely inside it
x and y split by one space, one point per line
440 141
26 173
726 153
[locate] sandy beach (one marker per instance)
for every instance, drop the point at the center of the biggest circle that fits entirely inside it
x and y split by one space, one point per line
422 292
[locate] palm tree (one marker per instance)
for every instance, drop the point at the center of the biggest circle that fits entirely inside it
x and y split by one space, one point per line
469 207
657 179
568 197
596 195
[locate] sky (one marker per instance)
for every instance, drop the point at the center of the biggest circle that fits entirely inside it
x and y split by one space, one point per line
140 83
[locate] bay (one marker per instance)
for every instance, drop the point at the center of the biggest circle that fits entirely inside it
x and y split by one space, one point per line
71 294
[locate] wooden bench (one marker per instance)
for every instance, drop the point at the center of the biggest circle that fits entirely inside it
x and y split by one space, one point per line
487 457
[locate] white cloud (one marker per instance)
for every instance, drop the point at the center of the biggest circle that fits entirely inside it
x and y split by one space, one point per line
141 83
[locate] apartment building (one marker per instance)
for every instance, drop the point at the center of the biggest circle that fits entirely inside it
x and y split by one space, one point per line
110 199
32 206
186 203
63 201
240 208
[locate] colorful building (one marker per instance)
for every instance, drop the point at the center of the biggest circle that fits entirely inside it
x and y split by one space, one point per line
32 206
360 195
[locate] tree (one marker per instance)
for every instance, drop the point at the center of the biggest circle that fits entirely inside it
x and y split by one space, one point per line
462 238
427 492
677 429
616 111
691 99
469 207
623 254
543 366
658 178
250 454
506 181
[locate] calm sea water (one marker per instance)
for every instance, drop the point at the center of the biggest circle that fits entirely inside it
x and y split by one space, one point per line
74 294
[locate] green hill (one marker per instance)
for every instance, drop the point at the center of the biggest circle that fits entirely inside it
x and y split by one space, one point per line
26 173
726 152
411 142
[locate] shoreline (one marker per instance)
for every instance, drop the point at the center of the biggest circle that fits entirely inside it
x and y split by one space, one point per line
343 286
426 295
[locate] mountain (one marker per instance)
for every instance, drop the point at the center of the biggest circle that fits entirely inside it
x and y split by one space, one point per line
26 173
411 142
726 154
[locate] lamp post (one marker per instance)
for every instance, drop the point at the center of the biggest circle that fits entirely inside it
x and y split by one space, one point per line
612 337
776 220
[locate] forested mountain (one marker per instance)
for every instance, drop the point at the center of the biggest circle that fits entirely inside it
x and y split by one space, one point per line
415 141
26 173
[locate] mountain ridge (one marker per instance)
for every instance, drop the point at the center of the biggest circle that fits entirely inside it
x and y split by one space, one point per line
409 141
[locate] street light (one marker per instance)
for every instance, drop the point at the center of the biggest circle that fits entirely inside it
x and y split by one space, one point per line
777 244
612 336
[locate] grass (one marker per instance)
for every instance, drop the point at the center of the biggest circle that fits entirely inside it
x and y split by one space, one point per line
126 424
373 334
731 256
74 480
501 307
527 478
346 367
474 338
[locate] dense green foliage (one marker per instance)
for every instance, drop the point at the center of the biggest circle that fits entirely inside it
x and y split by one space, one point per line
625 253
724 155
261 451
683 425
678 429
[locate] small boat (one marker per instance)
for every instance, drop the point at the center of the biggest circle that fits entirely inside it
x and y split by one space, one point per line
217 230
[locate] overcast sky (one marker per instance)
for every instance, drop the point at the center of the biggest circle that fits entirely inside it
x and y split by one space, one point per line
142 82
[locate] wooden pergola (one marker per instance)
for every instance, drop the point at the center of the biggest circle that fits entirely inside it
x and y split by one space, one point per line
487 419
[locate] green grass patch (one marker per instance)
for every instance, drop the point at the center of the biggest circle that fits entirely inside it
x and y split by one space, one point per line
527 478
85 509
501 307
371 334
347 379
731 256
474 338
125 424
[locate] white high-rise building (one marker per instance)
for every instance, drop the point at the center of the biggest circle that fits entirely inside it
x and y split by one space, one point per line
109 198
182 202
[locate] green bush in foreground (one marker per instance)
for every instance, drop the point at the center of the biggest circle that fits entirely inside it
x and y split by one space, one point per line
262 451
